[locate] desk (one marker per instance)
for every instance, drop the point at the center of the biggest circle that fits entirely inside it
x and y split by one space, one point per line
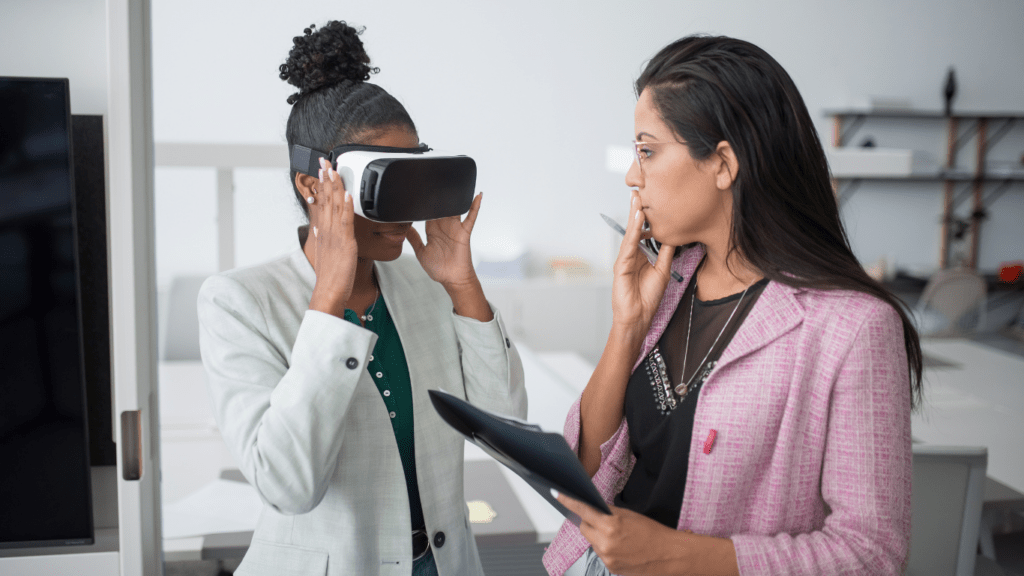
194 454
192 451
553 382
974 396
977 401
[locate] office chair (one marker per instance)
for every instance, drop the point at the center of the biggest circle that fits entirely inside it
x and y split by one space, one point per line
949 488
952 304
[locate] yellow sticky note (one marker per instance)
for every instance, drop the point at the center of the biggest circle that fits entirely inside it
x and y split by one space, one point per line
480 512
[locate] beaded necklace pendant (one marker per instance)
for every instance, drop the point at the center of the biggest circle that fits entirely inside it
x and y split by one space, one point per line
657 375
700 379
666 398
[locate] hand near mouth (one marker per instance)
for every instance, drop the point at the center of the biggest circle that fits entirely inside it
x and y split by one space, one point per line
638 284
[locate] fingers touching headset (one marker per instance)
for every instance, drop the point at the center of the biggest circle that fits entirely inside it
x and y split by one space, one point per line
332 218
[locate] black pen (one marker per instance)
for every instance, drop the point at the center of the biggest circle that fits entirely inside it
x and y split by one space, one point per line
651 256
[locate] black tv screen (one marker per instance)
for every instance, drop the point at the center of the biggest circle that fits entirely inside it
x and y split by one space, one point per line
45 493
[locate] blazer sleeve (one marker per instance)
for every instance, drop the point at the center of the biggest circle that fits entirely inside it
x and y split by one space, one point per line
282 419
491 367
867 468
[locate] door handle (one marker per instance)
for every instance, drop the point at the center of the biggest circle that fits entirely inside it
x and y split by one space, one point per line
131 444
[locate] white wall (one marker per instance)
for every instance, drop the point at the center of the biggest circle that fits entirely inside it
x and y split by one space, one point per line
58 39
536 91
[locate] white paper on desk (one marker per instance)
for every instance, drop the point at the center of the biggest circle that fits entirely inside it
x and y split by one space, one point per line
218 507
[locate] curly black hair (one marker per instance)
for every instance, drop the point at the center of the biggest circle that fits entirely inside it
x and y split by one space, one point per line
326 57
335 104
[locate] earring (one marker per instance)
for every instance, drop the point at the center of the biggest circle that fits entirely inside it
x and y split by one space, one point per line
309 199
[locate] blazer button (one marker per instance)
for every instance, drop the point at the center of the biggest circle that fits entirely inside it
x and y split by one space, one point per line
438 539
507 343
352 363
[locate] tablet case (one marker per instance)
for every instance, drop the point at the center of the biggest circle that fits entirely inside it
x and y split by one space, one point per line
543 459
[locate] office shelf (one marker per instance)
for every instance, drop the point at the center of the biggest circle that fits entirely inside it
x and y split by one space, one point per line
959 184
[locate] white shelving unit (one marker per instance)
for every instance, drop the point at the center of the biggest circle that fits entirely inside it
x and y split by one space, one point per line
979 181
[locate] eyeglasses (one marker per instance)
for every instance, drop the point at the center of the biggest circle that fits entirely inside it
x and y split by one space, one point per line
638 153
641 153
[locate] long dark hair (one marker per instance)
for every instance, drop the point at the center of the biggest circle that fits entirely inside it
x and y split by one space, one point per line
785 218
335 104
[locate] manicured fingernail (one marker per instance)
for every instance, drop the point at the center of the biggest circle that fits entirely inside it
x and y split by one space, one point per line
314 231
321 175
554 493
334 175
323 163
347 196
309 199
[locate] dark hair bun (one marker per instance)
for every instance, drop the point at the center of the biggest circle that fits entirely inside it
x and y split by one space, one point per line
325 57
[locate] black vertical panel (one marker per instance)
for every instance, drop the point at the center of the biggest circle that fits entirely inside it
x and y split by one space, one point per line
45 492
91 214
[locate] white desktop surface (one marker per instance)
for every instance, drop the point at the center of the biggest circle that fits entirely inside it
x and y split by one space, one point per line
193 452
977 402
553 382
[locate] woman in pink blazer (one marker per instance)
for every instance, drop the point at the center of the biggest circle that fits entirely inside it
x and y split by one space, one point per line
754 417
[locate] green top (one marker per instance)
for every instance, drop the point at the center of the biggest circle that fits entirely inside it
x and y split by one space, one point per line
390 372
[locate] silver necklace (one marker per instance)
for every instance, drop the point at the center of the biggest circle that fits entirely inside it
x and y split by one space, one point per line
369 313
684 387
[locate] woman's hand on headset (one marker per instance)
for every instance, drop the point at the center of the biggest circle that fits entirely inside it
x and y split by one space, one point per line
447 259
446 256
331 217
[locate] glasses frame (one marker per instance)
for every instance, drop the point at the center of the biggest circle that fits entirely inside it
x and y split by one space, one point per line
636 150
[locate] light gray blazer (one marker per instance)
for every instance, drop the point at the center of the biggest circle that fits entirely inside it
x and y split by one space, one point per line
311 433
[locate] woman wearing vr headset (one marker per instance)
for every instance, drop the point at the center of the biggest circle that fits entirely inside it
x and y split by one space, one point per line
319 363
754 417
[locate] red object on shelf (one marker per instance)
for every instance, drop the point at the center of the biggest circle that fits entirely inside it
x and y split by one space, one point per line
1010 272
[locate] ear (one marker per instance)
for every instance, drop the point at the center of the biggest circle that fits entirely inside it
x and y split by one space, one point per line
305 183
727 165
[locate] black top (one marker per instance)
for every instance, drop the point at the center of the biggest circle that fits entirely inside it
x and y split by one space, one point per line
660 420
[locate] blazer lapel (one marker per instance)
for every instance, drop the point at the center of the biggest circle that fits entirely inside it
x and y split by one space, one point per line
684 265
403 303
775 313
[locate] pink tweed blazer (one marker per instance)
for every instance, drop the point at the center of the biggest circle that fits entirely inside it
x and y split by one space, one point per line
810 471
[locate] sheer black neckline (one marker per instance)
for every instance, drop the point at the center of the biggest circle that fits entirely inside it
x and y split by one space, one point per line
730 298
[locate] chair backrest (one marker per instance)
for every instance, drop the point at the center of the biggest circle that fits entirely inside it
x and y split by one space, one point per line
954 293
949 488
181 322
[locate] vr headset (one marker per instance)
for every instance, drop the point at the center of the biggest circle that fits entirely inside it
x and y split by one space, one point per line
390 184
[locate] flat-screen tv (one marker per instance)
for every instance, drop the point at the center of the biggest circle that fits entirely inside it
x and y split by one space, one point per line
45 492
